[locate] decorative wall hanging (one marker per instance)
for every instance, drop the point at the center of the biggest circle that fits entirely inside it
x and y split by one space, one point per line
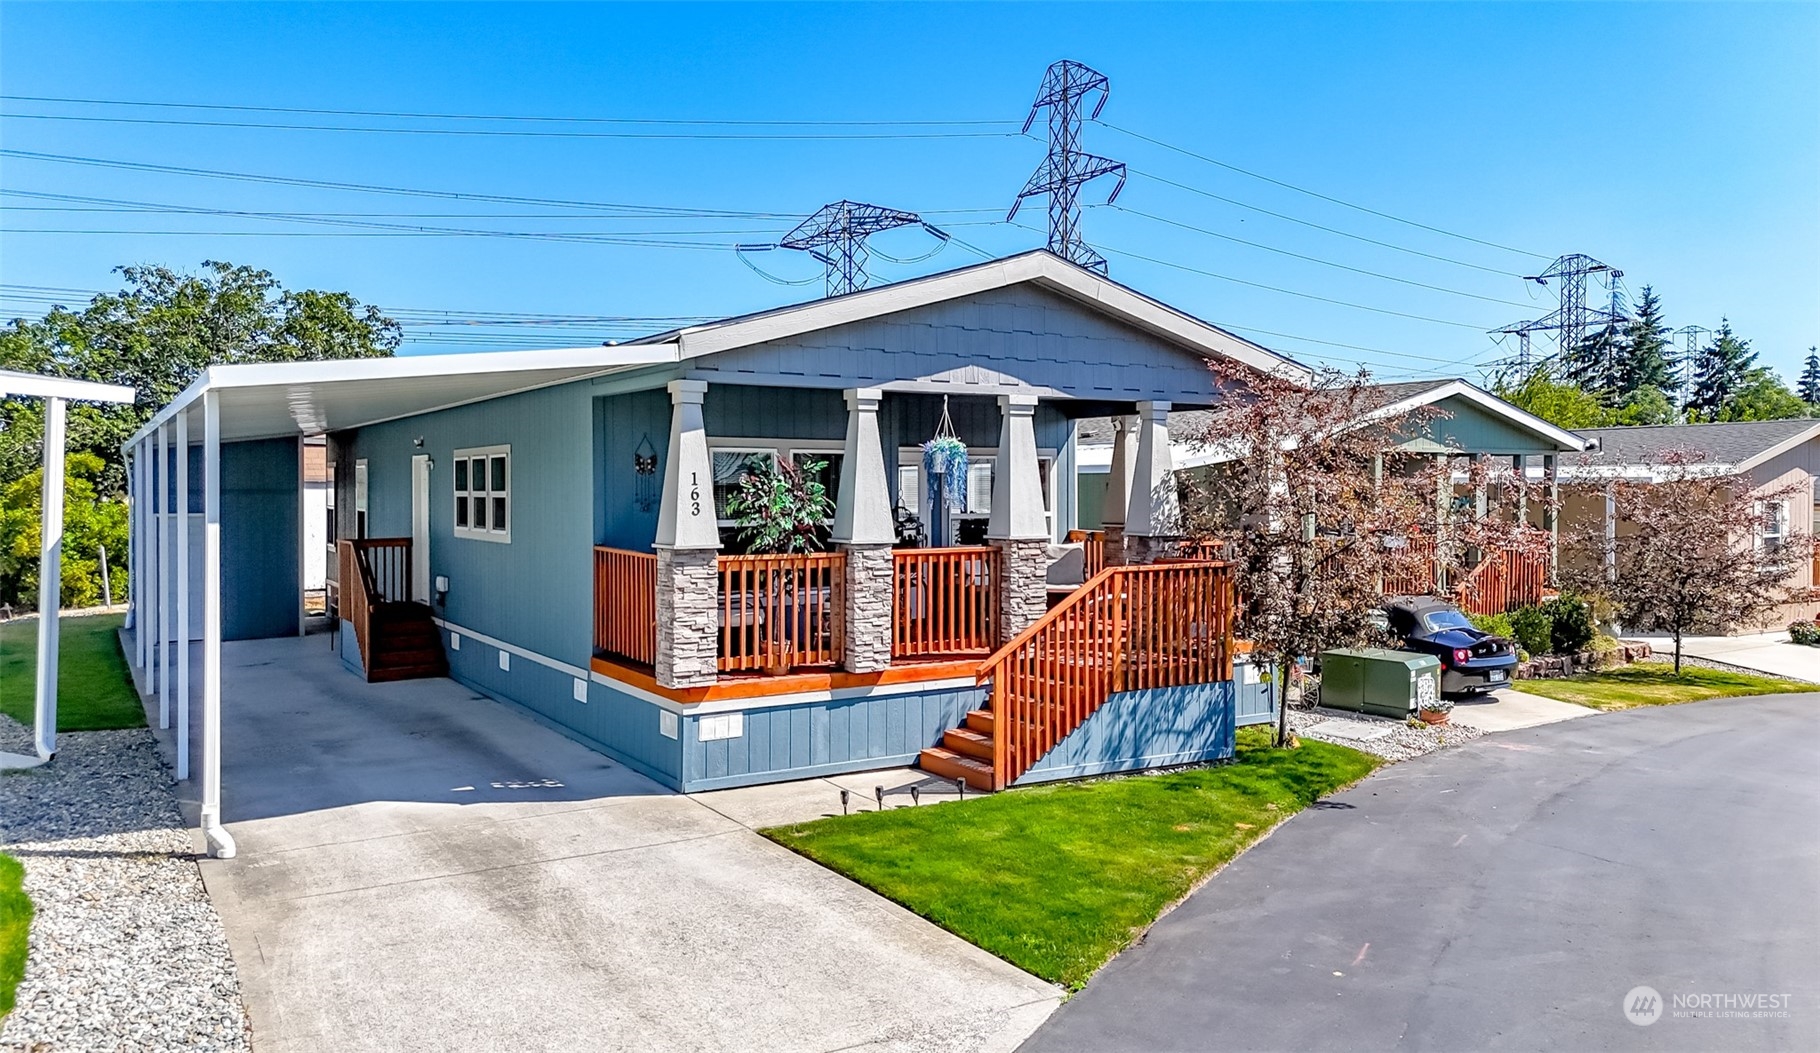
644 469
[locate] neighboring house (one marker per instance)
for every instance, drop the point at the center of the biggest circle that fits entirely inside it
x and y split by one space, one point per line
1773 454
551 528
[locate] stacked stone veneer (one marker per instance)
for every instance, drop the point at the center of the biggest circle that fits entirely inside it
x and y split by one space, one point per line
1141 549
868 613
1023 584
688 630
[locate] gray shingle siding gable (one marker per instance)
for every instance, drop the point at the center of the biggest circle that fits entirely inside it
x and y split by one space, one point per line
993 341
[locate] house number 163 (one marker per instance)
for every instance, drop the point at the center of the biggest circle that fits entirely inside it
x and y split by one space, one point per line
695 493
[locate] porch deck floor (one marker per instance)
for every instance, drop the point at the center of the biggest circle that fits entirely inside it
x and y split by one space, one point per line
423 868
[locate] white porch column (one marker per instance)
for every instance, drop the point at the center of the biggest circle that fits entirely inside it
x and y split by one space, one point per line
154 593
1152 514
138 524
1551 515
50 580
863 528
1118 487
688 543
183 594
221 845
1018 527
1611 532
166 601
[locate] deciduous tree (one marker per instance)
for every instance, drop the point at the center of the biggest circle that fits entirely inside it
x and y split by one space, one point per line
1696 548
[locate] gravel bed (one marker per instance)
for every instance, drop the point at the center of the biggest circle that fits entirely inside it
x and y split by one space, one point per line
1402 743
16 737
127 952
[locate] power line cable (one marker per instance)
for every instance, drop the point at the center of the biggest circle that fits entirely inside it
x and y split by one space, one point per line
1324 197
511 132
1317 259
480 117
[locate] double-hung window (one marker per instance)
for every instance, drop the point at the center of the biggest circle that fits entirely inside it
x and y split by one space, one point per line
483 493
1772 530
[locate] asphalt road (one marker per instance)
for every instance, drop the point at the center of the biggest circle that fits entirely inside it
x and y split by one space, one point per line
1507 895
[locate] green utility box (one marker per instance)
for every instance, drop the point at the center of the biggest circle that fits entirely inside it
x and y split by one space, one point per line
1378 681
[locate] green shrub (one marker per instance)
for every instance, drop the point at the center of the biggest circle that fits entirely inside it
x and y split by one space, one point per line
1572 626
1804 632
1532 628
1495 624
89 523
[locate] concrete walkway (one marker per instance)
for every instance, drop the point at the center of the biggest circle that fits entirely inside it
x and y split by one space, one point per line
1510 709
1769 653
421 868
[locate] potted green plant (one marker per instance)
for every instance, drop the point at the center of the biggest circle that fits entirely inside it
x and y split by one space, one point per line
782 508
1434 710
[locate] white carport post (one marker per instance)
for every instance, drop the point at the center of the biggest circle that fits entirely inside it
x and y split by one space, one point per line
221 845
153 631
50 579
141 646
183 595
161 510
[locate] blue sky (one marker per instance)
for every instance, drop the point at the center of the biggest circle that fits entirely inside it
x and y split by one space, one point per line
1678 142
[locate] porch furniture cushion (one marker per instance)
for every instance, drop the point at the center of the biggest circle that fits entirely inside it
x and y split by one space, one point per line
1067 564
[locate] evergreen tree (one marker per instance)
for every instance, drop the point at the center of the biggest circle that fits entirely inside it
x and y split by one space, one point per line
1809 385
1721 370
1592 365
1647 357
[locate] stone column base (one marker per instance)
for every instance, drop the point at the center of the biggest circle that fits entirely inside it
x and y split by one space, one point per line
868 610
1023 584
1141 549
1115 544
688 622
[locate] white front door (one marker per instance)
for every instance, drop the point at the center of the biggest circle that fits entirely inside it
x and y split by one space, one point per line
420 528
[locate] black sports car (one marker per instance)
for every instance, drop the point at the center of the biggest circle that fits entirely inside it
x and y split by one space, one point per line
1472 660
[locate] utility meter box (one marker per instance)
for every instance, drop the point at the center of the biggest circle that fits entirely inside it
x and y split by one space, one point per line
1381 682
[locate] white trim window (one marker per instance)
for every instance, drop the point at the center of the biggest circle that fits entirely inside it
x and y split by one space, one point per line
483 493
1772 529
731 460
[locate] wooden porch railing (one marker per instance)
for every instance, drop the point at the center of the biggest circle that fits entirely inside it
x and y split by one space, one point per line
1129 628
779 612
625 604
1093 551
369 572
944 601
1504 579
1416 574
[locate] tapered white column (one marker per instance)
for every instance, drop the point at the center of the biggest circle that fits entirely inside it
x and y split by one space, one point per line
1118 487
50 580
166 602
688 546
864 530
221 845
1018 527
183 594
1151 511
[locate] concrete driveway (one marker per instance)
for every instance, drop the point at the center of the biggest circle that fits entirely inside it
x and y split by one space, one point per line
1768 653
421 868
1507 895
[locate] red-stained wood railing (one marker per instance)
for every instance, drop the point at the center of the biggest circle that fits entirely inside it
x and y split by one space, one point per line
1093 551
625 604
1415 574
944 601
780 612
369 572
1505 579
1130 628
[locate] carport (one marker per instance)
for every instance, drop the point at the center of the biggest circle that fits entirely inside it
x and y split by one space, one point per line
237 572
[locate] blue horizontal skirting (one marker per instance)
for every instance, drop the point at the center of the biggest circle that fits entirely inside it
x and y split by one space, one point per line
1134 730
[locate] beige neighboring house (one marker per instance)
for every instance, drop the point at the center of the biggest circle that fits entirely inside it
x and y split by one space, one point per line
1774 454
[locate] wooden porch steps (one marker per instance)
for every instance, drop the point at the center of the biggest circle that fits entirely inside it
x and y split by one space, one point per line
976 773
404 644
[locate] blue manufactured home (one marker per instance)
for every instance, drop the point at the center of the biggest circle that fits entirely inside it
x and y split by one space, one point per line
553 530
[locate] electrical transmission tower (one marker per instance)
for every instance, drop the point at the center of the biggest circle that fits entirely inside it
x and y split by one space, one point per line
1066 88
836 235
1572 317
1690 335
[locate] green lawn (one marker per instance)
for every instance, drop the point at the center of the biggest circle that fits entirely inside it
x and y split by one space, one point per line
15 919
1058 879
1655 684
93 689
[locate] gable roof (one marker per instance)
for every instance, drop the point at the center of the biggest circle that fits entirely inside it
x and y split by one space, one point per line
1039 268
1389 400
1741 445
